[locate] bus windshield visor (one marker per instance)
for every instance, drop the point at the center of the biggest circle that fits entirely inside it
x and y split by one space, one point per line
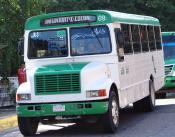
169 46
90 40
50 43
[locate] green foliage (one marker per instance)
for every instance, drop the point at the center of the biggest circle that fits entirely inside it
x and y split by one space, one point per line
164 10
13 14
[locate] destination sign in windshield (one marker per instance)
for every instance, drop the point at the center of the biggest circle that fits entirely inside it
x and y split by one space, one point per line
68 20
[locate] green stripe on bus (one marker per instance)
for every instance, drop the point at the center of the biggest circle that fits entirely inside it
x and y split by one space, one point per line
168 33
81 108
60 68
103 17
169 61
169 82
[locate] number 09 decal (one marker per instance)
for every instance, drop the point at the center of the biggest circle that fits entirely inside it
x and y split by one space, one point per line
101 18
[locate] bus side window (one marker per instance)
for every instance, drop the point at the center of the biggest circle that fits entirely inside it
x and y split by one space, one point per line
157 37
144 38
150 30
120 43
127 38
136 38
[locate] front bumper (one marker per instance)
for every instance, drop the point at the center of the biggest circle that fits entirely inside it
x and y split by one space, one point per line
71 109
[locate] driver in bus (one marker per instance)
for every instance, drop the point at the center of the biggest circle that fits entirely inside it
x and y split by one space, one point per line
93 48
79 49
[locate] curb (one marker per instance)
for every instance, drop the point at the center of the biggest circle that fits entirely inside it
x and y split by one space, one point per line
8 122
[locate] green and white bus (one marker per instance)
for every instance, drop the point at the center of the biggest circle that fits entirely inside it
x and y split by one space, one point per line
88 65
168 39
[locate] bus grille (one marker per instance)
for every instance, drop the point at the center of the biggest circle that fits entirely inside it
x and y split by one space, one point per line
168 69
57 84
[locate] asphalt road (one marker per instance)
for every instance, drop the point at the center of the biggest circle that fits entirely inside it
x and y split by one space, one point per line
159 123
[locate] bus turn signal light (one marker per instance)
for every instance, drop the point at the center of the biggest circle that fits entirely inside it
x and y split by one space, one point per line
102 92
22 97
96 93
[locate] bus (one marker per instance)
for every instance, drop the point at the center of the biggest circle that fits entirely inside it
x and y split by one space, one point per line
86 65
168 39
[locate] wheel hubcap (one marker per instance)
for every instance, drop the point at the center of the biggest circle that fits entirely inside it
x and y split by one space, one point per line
115 112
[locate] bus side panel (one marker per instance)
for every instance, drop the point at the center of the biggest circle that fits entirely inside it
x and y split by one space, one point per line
134 77
159 70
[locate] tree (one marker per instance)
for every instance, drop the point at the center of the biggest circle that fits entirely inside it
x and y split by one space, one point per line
13 14
163 10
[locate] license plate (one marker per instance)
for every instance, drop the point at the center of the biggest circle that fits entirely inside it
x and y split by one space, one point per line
58 108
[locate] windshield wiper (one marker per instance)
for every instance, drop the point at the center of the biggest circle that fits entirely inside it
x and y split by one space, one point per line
95 34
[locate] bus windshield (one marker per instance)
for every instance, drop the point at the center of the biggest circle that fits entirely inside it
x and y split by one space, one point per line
83 41
169 46
90 40
48 43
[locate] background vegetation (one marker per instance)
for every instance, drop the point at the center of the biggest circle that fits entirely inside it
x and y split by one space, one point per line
13 14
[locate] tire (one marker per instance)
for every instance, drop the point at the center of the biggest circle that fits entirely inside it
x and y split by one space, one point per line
28 126
146 104
111 118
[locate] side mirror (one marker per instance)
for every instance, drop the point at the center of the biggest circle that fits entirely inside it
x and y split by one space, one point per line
21 47
121 52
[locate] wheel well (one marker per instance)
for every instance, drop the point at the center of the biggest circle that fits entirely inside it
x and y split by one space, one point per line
113 86
151 78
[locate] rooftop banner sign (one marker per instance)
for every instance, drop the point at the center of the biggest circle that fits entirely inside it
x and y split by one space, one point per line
68 20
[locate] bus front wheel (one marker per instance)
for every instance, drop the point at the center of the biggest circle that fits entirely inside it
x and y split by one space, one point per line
28 126
111 118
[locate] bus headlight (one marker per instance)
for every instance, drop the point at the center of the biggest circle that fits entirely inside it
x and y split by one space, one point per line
21 97
96 93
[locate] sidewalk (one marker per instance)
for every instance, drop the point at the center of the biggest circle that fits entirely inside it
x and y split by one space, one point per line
8 117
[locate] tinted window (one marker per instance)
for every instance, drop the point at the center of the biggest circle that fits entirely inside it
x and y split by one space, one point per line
169 39
50 43
169 52
136 38
169 46
127 38
90 40
150 30
157 37
144 38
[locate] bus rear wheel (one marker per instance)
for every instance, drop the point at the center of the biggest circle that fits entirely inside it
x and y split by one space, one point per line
111 118
148 103
28 126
